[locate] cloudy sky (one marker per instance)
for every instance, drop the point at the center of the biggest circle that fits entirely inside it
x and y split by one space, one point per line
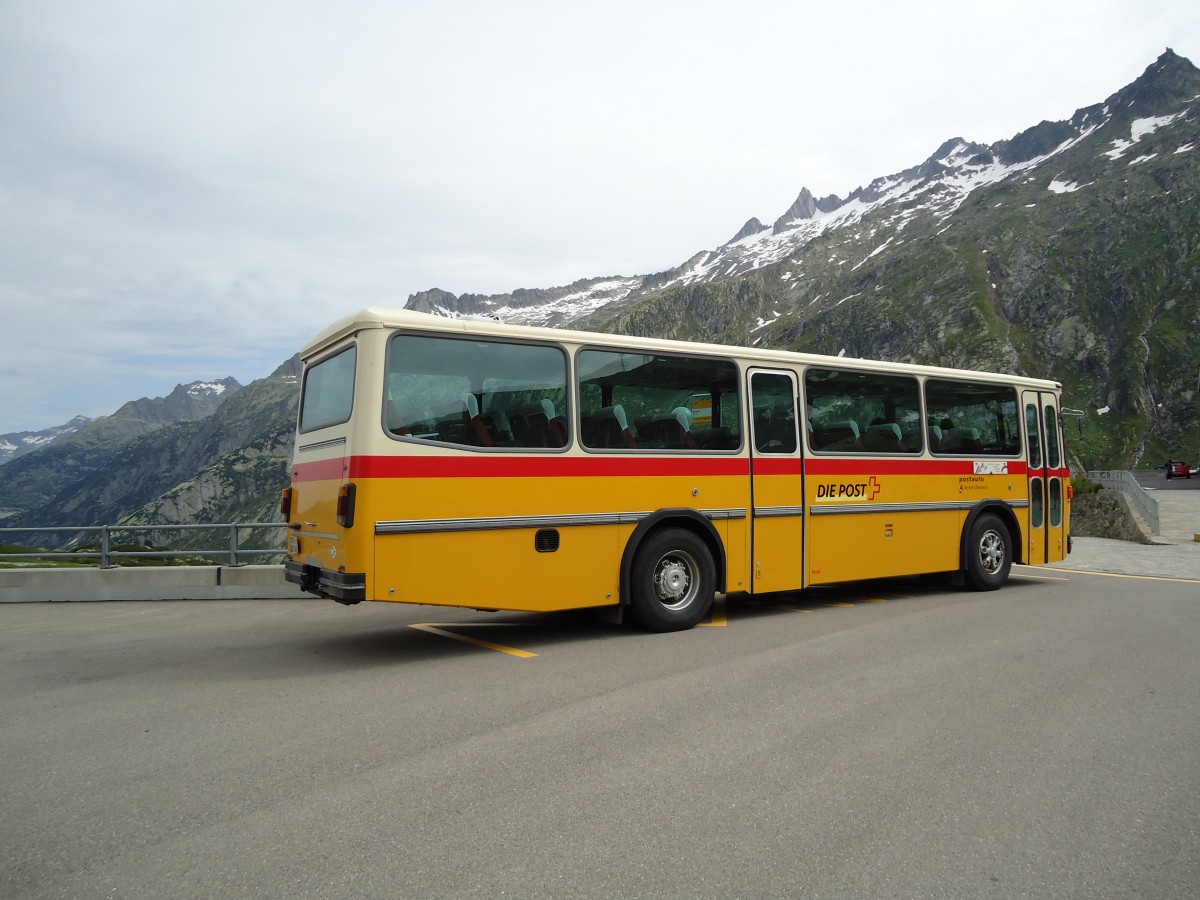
190 190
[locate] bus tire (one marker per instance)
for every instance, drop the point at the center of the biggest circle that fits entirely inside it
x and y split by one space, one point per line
989 553
673 580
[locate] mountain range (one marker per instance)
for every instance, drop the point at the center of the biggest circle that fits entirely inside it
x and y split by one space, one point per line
1070 251
18 443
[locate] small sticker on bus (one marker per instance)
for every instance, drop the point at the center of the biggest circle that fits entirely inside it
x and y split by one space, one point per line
990 467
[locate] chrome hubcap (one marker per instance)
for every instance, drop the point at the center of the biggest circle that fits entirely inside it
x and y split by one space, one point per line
991 552
673 581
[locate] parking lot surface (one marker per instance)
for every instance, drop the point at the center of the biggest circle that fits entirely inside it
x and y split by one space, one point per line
894 739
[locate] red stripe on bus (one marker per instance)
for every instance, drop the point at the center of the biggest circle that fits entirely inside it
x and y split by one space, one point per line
776 465
627 466
540 466
322 470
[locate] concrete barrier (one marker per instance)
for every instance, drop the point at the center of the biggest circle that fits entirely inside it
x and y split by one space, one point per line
147 583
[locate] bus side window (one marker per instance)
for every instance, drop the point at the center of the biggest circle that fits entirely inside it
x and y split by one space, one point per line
851 411
475 393
973 419
655 402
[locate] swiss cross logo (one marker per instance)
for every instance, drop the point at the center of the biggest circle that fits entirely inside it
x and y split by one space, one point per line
875 487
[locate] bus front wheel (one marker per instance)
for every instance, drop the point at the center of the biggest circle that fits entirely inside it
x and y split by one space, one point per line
989 553
673 580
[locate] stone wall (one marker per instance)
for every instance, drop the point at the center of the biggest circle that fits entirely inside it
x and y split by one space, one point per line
1105 513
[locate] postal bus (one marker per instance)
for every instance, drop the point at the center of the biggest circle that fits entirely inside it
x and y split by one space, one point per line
465 462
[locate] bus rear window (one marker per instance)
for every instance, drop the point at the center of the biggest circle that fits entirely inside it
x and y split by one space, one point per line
328 396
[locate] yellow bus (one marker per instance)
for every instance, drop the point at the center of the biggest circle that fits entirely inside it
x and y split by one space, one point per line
465 462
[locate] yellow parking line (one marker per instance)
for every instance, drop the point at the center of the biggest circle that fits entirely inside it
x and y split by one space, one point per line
439 629
1039 577
719 618
1142 577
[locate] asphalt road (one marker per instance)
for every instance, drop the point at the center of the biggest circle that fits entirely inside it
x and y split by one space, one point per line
901 739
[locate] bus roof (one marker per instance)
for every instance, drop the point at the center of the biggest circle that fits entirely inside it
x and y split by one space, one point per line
384 317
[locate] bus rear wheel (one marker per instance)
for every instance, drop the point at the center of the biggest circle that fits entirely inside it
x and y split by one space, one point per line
673 580
989 553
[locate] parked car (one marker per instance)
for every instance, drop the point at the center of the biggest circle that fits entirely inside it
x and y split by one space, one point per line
1178 469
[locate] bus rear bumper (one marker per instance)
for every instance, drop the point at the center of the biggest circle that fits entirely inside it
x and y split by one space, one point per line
344 587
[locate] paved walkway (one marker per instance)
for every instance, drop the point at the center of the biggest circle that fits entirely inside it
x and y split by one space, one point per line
1175 554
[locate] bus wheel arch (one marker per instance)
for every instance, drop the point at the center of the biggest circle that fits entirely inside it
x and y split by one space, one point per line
649 556
990 545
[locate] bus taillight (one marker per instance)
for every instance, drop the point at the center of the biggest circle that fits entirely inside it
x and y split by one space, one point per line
345 506
285 504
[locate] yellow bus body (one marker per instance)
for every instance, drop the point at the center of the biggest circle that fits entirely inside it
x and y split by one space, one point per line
558 528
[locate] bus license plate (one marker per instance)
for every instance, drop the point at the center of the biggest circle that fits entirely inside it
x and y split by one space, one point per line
293 544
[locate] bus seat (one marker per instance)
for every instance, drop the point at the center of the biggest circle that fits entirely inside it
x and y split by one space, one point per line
557 429
683 416
884 437
612 427
668 431
962 440
935 438
718 437
473 419
498 425
539 426
656 431
839 436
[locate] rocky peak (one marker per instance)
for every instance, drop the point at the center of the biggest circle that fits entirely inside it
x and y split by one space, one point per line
1169 80
752 226
806 206
439 302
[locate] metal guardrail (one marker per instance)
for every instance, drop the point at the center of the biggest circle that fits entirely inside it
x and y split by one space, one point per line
1145 505
234 551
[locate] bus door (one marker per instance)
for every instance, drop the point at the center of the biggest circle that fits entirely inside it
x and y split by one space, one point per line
1047 491
776 487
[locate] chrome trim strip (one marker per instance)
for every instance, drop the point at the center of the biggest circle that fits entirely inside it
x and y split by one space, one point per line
840 509
493 523
772 512
317 534
321 445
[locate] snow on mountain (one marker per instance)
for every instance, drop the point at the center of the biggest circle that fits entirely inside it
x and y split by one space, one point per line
936 188
205 388
19 443
571 306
